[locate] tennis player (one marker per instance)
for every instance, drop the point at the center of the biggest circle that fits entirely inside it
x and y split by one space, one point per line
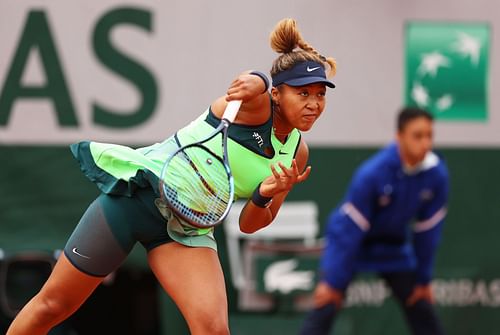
390 222
267 156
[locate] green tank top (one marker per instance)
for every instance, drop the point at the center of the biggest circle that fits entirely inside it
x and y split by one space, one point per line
251 149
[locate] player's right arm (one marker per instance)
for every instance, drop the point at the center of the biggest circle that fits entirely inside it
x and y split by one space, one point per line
252 90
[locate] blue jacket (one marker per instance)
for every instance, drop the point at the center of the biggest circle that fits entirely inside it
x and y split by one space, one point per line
390 219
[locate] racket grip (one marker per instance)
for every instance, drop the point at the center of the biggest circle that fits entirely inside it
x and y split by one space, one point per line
231 111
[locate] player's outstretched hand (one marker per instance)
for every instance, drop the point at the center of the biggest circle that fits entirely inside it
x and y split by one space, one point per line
283 181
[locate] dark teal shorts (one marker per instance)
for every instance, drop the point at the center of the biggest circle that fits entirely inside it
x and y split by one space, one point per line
109 229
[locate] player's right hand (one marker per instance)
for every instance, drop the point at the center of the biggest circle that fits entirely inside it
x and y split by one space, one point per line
245 87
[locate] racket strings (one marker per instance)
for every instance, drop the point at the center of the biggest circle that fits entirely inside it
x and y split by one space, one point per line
197 185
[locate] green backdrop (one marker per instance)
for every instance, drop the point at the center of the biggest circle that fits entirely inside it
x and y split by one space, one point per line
43 194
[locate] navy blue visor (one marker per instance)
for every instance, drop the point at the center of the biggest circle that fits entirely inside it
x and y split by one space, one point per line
301 74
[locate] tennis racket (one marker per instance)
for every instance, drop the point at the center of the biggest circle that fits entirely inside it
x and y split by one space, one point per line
196 183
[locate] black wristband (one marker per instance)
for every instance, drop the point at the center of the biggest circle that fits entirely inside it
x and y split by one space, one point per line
259 200
263 77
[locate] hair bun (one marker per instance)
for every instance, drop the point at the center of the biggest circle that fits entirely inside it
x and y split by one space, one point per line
285 36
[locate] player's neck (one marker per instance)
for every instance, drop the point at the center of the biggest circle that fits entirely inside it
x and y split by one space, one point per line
281 131
281 136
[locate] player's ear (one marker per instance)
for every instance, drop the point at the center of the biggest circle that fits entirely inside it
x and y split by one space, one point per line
275 95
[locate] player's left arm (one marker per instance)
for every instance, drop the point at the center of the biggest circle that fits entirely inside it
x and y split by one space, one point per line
277 186
427 234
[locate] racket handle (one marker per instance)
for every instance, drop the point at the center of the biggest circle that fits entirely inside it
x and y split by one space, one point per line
231 111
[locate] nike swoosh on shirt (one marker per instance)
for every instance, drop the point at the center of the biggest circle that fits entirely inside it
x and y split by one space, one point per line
79 254
311 69
282 152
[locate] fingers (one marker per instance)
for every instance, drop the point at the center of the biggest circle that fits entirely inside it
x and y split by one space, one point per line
284 178
304 175
275 172
300 176
294 173
288 173
232 94
234 91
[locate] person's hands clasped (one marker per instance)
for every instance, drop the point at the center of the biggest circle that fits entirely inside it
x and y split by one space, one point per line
245 87
283 181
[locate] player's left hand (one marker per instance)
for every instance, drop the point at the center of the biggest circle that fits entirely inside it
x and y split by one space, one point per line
284 180
245 87
421 292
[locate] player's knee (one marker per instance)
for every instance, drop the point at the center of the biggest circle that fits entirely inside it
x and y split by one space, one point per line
50 309
217 328
211 324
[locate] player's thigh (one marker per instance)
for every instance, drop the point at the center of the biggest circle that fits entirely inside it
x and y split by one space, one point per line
67 287
193 277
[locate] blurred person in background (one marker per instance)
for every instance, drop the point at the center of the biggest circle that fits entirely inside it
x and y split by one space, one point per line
390 223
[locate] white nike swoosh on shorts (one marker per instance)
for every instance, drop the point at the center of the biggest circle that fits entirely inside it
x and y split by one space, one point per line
79 254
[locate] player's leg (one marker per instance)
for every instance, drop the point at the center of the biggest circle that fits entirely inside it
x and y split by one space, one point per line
92 252
193 277
421 316
63 293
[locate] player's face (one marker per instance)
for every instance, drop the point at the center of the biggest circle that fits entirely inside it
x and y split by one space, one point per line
300 106
415 140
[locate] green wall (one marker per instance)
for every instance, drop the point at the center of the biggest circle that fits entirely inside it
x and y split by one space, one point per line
43 194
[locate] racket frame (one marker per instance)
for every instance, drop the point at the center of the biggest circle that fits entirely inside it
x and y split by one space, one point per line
228 117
